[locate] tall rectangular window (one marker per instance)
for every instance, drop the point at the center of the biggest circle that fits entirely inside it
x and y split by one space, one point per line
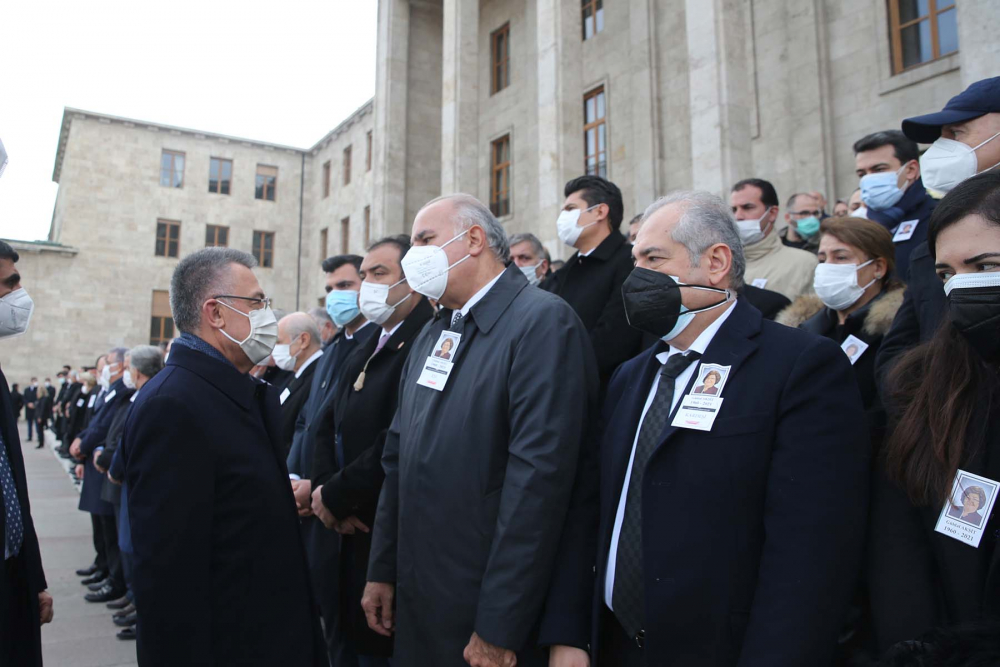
216 236
921 31
161 327
172 169
595 133
593 17
368 226
263 248
368 152
267 182
168 238
220 175
500 58
324 237
500 176
345 234
347 165
326 179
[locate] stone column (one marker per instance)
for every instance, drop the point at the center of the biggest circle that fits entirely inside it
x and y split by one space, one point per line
460 97
389 133
644 105
719 98
549 142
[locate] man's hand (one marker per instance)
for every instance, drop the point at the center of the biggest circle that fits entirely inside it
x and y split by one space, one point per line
79 471
568 656
31 406
113 480
377 603
97 455
350 525
302 490
45 608
320 510
480 653
74 449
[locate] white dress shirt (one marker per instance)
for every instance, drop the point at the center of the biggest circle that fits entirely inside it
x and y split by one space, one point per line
350 336
476 298
389 332
699 345
316 355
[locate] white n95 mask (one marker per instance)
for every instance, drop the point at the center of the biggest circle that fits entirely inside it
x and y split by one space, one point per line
426 268
531 273
837 284
948 162
566 226
283 357
15 313
263 333
373 299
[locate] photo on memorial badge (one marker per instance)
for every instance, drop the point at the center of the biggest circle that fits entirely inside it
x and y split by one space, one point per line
971 499
854 347
446 346
711 379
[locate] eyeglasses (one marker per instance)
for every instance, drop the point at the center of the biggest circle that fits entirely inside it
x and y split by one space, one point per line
815 213
256 303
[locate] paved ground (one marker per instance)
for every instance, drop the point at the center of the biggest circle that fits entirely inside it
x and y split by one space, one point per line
82 634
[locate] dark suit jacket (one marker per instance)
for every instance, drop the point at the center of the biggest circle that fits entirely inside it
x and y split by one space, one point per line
43 406
30 558
298 393
78 412
94 436
480 477
361 419
768 302
785 468
592 285
110 491
219 566
30 396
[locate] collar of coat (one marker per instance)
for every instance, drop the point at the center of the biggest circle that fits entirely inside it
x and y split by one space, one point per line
487 312
879 312
604 251
240 387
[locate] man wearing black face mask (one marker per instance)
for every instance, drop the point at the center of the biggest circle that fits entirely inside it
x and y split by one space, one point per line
741 579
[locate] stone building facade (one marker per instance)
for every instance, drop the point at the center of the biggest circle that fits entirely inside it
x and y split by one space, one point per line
693 94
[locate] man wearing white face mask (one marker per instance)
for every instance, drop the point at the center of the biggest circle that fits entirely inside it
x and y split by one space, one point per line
481 551
297 351
219 565
528 253
770 264
966 141
592 278
893 192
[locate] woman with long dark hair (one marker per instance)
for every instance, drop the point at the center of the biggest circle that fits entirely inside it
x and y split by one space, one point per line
942 398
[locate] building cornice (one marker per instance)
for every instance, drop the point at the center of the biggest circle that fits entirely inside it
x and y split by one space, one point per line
362 111
38 247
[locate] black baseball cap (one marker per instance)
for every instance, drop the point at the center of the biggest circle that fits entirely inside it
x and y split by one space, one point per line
977 100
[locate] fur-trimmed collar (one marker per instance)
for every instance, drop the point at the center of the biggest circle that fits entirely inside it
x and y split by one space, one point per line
878 319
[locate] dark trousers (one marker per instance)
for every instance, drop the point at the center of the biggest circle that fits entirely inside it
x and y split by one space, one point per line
109 531
20 632
616 648
323 554
41 424
29 416
101 561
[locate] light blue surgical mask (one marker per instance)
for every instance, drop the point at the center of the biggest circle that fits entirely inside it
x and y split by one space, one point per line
683 320
342 306
807 227
880 191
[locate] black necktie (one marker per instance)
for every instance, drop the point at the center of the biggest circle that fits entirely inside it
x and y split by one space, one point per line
456 321
627 596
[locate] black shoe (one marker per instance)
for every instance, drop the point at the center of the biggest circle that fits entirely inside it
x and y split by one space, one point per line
100 584
127 621
120 603
126 634
125 611
88 571
106 594
40 447
99 575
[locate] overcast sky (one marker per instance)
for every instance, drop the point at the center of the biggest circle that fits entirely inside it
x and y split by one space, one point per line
285 72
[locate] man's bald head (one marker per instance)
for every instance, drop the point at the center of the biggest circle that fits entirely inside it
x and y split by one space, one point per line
293 325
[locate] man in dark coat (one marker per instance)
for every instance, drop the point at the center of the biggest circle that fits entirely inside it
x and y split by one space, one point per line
43 411
348 469
101 511
779 478
220 572
481 457
591 280
30 401
24 603
299 340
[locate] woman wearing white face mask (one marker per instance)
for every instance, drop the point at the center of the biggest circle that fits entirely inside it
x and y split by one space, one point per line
856 298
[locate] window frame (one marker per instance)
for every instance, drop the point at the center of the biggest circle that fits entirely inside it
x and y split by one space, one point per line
220 181
368 225
896 34
326 179
264 257
158 321
345 234
368 152
347 165
500 62
594 6
324 242
173 167
500 196
168 226
216 229
273 188
596 125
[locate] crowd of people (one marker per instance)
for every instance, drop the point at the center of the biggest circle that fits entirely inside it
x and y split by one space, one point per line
706 439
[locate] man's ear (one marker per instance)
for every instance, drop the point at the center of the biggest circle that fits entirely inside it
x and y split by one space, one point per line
211 314
477 240
720 260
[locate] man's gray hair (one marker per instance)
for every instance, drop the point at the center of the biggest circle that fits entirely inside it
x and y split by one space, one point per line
118 353
147 359
472 212
320 316
705 221
536 246
197 278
